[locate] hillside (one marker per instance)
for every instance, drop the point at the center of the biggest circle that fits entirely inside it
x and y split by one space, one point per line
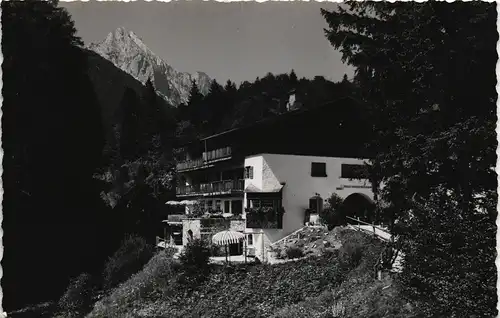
340 281
109 84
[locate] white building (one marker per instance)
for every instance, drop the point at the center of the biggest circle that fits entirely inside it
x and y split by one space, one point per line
267 173
291 181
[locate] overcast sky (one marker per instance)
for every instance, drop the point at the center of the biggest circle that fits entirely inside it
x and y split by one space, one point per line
238 41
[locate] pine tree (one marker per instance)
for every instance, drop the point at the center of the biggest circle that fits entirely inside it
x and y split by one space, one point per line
427 72
195 105
293 78
130 135
52 141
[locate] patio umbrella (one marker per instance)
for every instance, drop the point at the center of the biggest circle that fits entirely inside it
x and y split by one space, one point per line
172 203
228 237
189 202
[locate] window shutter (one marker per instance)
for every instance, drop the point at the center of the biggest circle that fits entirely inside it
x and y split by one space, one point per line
250 172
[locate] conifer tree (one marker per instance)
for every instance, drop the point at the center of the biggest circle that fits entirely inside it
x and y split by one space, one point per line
426 70
52 140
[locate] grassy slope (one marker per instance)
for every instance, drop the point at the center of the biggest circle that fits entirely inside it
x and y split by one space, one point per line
316 287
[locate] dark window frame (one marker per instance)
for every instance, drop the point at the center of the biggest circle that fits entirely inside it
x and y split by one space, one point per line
250 239
318 170
248 172
353 171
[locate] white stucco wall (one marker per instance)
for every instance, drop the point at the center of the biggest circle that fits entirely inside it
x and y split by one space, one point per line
257 163
270 170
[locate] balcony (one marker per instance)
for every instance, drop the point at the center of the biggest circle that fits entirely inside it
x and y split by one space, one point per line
264 218
216 187
206 159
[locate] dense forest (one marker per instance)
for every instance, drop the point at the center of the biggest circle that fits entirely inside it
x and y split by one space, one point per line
88 151
426 72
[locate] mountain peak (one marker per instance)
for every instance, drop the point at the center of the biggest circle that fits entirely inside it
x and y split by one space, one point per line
128 52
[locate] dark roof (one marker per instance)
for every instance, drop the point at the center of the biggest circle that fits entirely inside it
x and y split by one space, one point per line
285 116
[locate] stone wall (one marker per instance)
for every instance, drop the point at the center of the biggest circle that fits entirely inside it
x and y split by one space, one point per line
238 225
193 225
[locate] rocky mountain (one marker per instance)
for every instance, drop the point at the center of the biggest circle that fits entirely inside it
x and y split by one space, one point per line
127 52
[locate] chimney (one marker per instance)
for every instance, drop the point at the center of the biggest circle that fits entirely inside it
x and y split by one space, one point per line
291 105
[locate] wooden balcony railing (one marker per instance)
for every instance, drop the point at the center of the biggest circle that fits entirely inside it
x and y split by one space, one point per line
212 187
190 164
205 159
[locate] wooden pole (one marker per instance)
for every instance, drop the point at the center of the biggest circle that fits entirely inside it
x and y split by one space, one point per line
165 235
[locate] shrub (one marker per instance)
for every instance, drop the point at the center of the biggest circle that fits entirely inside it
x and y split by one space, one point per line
350 255
154 280
294 252
278 252
333 214
77 300
216 250
196 255
132 255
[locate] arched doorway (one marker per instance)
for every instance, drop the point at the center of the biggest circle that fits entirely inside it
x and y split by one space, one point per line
358 205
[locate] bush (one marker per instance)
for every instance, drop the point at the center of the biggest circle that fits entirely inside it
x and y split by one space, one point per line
77 300
216 250
196 255
333 214
153 281
132 255
350 255
294 252
278 251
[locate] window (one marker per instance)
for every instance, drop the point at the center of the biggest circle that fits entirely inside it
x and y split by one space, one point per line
263 203
353 171
210 204
248 172
217 205
226 206
237 207
318 169
253 203
249 239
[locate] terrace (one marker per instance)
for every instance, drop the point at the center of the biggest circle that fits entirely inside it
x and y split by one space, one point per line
207 158
212 188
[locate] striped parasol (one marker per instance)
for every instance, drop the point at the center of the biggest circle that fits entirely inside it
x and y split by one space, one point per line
228 237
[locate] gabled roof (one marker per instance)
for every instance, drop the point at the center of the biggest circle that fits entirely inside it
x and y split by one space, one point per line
253 189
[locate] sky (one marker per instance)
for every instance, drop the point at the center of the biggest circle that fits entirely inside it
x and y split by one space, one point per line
238 41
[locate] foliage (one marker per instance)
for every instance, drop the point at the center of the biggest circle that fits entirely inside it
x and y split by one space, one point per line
463 245
195 256
293 252
52 141
139 171
156 276
259 290
197 209
229 107
333 215
132 255
264 217
77 300
350 255
427 74
216 250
